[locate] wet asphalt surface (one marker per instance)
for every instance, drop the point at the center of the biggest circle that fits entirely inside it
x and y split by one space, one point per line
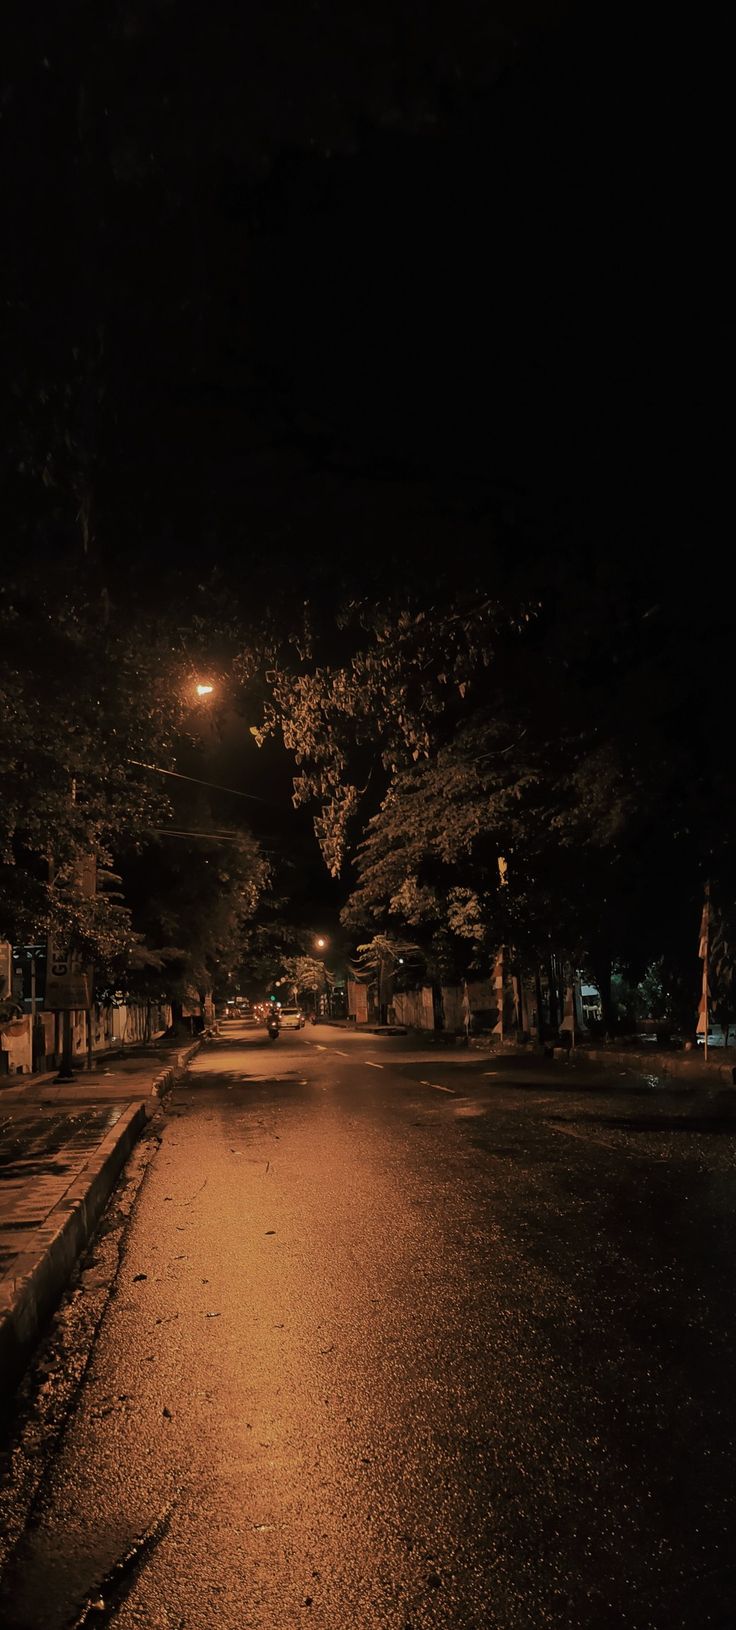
412 1340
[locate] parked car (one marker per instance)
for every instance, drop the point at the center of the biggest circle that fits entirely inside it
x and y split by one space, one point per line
292 1018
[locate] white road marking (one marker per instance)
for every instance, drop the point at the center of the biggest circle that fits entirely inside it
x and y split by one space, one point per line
372 1065
319 1047
580 1133
339 1052
437 1088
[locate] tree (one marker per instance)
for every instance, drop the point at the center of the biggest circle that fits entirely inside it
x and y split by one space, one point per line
722 968
378 963
192 895
306 976
580 744
381 710
82 706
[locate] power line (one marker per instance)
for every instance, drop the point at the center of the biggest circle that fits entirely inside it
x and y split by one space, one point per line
215 837
215 785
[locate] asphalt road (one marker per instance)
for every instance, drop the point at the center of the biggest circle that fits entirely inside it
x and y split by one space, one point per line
408 1340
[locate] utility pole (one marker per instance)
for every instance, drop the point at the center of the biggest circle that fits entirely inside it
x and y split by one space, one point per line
35 1049
705 952
66 1067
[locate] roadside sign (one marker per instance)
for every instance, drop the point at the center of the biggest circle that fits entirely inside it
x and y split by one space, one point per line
68 985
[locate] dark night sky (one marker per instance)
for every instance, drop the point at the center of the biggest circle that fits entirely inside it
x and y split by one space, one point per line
341 273
364 289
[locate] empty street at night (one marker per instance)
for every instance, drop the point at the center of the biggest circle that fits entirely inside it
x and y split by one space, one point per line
407 1337
367 863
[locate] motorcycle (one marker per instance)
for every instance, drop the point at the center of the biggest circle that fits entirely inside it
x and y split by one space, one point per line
273 1027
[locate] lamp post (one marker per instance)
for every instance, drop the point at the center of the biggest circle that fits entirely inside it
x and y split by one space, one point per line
320 944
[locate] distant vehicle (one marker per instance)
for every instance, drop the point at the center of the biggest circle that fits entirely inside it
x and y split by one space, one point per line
292 1018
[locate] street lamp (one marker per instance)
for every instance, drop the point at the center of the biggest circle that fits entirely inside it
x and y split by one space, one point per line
320 944
204 690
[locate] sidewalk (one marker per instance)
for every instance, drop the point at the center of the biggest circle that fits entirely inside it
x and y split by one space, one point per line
366 1029
61 1151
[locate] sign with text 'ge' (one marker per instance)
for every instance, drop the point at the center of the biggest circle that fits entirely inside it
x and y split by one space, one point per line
67 980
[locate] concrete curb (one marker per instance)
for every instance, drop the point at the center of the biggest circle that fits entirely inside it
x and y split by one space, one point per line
29 1295
683 1066
166 1079
32 1290
690 1067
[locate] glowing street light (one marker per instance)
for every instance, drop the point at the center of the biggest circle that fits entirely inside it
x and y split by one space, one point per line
204 690
320 942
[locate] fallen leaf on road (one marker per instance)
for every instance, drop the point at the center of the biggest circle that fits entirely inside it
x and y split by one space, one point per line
167 1414
137 1276
212 1315
270 1230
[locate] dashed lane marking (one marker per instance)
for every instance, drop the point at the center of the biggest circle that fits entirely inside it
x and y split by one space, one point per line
435 1085
339 1052
373 1066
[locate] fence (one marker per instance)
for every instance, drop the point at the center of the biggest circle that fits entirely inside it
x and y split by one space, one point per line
113 1028
414 1007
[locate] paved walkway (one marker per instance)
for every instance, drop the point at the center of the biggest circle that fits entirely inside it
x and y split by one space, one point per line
61 1150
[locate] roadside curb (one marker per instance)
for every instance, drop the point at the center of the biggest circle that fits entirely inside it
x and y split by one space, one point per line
33 1287
167 1078
686 1067
30 1293
380 1030
683 1066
